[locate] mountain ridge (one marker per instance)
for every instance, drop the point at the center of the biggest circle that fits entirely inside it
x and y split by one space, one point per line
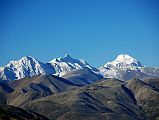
124 65
29 66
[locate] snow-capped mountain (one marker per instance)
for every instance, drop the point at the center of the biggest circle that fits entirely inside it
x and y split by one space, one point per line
67 63
125 67
123 61
28 66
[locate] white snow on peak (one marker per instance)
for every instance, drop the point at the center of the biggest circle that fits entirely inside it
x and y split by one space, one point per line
60 59
124 61
64 64
125 58
26 66
29 66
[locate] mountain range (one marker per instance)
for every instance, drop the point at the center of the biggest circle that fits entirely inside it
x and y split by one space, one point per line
124 67
71 89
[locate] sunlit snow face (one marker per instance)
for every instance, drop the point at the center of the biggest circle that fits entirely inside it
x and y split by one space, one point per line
124 60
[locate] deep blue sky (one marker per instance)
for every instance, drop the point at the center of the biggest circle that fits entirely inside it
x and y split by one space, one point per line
95 30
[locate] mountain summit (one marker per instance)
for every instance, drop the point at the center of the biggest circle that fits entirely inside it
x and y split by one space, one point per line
29 66
64 64
126 67
124 61
26 66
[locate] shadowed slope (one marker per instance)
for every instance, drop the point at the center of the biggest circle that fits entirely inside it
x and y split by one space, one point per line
147 97
8 112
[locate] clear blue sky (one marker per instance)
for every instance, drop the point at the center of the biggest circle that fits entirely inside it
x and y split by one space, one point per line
95 30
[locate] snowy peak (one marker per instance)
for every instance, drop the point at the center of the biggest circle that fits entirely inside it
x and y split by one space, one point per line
23 60
29 66
28 58
64 64
26 66
124 60
66 58
123 67
127 59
